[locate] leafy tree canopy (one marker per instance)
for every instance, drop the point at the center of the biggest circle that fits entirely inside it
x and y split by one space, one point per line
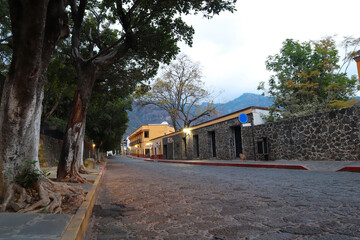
107 122
5 42
307 79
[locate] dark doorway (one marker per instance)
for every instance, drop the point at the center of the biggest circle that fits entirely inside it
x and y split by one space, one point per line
147 153
213 143
196 145
165 152
170 152
185 148
238 142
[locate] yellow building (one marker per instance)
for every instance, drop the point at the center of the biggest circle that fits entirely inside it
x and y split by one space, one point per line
140 144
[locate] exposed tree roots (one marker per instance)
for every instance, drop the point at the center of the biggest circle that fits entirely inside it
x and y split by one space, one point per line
43 196
75 177
83 170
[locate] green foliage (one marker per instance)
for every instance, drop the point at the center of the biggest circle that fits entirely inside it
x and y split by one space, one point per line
30 174
5 37
60 85
307 79
60 123
106 122
5 42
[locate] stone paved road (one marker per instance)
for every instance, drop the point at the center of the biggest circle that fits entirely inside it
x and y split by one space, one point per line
145 200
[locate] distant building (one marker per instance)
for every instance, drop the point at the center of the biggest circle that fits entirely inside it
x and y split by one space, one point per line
140 144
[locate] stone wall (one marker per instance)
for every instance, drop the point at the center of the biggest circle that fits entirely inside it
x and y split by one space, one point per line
50 149
224 140
333 135
174 147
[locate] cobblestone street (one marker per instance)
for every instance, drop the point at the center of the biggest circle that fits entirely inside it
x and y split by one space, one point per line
149 200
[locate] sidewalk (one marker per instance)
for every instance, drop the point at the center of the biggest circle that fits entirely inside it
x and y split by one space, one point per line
321 166
53 226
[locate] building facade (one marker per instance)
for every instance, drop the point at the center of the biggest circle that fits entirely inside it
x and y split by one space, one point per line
333 135
140 144
220 138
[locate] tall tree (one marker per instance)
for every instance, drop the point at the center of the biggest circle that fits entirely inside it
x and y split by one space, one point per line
36 28
307 79
181 93
148 33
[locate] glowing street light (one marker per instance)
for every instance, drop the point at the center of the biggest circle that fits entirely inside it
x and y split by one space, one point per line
187 130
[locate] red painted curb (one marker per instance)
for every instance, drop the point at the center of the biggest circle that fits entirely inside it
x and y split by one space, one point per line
349 169
296 167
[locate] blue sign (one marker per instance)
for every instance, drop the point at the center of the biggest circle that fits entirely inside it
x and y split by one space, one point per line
243 118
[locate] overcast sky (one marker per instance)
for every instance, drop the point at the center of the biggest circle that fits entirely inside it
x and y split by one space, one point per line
232 48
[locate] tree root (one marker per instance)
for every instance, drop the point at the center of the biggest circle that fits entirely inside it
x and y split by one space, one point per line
75 176
43 196
83 170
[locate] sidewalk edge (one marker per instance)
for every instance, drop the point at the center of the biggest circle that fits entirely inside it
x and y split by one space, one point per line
349 169
76 227
280 166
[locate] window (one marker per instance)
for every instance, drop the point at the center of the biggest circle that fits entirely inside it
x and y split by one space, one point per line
262 146
146 134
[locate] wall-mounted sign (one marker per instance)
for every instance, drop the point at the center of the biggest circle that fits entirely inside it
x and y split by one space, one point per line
243 118
157 144
169 140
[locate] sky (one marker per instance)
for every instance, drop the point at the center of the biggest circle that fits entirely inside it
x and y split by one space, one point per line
232 47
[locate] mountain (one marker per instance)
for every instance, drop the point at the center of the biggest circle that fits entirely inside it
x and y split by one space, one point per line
244 101
154 115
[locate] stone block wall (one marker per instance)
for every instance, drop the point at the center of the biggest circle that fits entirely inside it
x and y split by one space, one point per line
224 140
49 151
333 135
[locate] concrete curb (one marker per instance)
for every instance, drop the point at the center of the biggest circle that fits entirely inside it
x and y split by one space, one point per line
349 169
76 227
280 166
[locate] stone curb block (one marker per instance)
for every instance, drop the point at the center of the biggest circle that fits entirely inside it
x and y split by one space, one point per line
76 227
281 166
349 169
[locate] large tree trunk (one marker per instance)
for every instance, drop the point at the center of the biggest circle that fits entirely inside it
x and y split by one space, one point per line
36 27
71 153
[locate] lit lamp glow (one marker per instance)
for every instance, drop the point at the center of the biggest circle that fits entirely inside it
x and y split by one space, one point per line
187 130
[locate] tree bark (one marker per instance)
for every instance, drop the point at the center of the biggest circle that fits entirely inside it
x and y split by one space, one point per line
71 154
36 27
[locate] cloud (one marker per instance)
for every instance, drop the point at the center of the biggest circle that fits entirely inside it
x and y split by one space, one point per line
233 48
